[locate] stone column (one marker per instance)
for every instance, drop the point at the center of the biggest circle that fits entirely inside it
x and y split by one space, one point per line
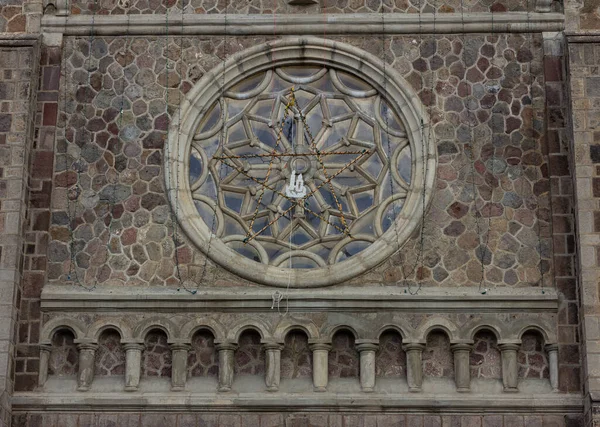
226 352
462 370
45 350
273 365
414 366
367 349
510 367
320 352
552 350
87 358
133 364
179 356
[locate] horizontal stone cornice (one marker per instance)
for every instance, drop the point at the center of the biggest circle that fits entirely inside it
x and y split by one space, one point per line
304 24
399 403
355 299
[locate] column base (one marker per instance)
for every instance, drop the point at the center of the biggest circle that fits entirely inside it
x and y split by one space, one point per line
463 390
177 388
272 389
320 389
83 388
131 388
224 389
510 390
415 389
368 389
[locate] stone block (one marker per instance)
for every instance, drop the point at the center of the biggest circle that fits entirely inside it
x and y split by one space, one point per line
592 86
493 421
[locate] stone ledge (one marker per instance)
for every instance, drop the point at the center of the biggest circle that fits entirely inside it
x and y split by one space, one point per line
367 298
393 403
19 40
331 24
583 37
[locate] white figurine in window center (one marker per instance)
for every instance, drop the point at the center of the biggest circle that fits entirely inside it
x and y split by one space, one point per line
295 189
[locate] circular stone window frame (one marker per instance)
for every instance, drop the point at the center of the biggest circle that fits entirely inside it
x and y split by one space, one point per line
290 52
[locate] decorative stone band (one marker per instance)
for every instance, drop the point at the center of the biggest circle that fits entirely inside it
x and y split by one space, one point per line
306 24
320 351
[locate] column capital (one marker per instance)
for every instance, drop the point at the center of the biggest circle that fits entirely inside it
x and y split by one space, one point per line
132 345
174 346
319 345
86 345
551 347
46 346
509 345
461 346
413 346
366 345
226 345
272 345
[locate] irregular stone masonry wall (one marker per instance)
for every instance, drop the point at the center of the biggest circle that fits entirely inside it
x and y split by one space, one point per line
344 360
249 356
296 356
533 362
315 419
110 356
437 357
479 101
156 357
390 360
64 357
485 359
202 358
112 7
12 18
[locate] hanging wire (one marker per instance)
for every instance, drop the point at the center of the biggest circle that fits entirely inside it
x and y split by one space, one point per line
175 209
418 263
534 133
220 149
73 274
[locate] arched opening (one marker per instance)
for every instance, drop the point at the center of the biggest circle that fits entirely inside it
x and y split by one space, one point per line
390 360
110 356
296 359
203 362
64 358
156 357
344 361
249 356
485 361
438 361
532 358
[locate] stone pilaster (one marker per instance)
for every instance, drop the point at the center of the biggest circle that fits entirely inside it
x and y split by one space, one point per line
552 350
510 367
367 349
273 365
133 364
226 352
462 370
45 350
320 352
179 355
87 357
414 366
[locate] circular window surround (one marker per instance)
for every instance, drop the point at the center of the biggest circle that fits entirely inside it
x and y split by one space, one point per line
300 51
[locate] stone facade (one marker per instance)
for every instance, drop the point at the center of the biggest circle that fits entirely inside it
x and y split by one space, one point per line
486 315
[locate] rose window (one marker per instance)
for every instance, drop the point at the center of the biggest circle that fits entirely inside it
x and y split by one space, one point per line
296 170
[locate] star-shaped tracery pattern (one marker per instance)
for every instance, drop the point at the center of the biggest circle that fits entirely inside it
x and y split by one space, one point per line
334 129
